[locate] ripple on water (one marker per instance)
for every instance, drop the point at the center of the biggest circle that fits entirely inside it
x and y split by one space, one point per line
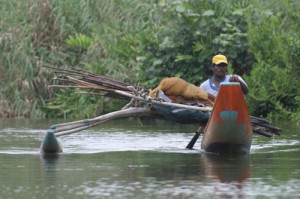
91 142
27 141
275 145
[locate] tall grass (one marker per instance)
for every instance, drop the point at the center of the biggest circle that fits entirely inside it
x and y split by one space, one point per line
34 34
143 41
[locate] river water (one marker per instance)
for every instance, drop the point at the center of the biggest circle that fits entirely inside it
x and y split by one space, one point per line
143 159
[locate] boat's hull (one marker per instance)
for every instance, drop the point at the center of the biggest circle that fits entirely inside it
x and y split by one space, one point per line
180 115
229 127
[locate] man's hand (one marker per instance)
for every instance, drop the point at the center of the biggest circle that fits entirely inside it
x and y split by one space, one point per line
234 78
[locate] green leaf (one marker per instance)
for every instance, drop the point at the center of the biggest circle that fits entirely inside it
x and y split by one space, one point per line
208 13
183 58
157 62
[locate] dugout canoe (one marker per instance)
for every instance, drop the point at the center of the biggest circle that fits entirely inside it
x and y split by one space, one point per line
179 115
229 128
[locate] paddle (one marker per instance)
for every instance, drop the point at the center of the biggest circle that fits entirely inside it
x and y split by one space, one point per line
195 138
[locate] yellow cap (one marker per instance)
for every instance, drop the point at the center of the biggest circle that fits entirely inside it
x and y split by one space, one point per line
217 59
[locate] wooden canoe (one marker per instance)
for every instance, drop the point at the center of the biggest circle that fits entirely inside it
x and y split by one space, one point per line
179 115
229 126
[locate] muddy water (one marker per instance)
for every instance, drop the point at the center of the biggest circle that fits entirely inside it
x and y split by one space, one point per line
147 159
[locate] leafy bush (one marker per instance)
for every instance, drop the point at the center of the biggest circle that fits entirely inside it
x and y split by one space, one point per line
274 84
271 92
143 42
195 32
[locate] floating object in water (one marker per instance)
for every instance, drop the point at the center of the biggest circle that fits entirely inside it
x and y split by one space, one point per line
50 144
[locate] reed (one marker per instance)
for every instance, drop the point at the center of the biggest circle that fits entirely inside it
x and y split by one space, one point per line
142 41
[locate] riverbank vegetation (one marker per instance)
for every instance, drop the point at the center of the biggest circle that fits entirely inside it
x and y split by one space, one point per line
142 42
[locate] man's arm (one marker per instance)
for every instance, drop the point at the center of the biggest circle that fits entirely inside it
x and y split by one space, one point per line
244 87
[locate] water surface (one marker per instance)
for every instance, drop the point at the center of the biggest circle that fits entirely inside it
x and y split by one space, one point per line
146 159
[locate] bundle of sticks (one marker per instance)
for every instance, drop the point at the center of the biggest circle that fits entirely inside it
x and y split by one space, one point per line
76 78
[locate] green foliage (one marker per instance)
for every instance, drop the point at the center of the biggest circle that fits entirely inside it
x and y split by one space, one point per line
96 35
143 42
61 106
274 44
274 94
195 32
80 40
116 28
257 42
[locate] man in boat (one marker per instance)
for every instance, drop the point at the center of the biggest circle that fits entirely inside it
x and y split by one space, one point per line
219 68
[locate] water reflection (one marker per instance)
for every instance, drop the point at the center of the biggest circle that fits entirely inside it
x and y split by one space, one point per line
137 174
230 173
49 162
229 168
119 161
51 181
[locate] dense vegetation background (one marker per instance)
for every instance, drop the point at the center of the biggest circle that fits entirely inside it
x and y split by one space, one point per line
142 42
